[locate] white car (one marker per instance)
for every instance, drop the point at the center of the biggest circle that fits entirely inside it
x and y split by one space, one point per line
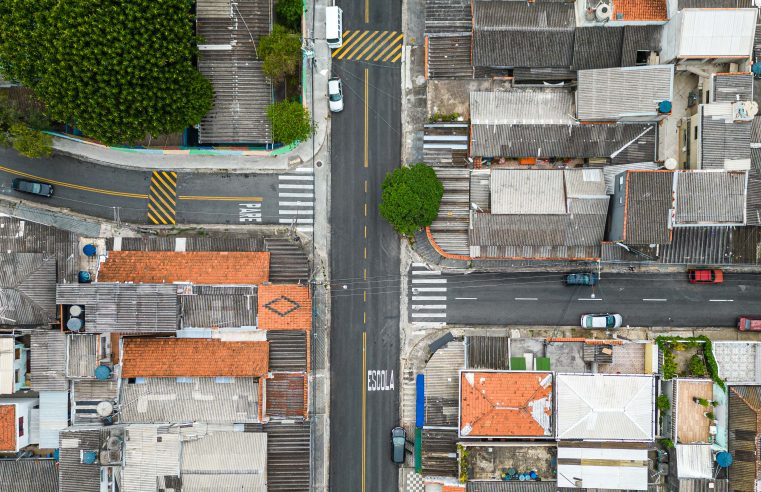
605 321
335 95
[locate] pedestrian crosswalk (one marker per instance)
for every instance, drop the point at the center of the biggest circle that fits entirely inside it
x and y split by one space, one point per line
295 195
370 46
427 294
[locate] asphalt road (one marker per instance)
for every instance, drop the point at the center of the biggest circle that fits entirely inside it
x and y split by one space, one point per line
661 300
141 197
365 144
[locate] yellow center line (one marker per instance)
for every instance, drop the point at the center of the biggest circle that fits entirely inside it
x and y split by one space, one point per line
380 45
367 11
73 186
348 46
364 294
362 44
364 405
222 198
398 47
367 110
364 275
365 252
370 46
390 45
365 232
365 216
365 186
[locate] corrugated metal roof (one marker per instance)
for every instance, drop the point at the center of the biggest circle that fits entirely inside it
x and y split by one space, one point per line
649 200
149 453
523 35
288 456
285 396
442 385
703 485
48 360
731 87
438 450
119 307
605 407
82 355
714 4
512 486
611 172
288 350
73 475
698 246
488 353
753 198
54 416
522 107
537 230
709 198
639 38
449 57
623 93
715 33
624 468
448 16
527 191
28 475
587 183
210 306
24 236
694 461
725 143
597 47
156 400
226 461
480 189
27 288
85 396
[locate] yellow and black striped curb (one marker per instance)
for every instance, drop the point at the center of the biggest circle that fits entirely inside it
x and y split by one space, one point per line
162 200
370 46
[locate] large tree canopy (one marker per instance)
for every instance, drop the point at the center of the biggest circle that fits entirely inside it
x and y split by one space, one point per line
117 69
411 198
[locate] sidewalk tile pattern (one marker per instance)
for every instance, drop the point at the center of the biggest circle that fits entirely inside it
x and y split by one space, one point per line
413 481
162 199
370 46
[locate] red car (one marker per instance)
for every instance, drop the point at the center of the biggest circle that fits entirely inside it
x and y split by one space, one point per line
706 276
748 323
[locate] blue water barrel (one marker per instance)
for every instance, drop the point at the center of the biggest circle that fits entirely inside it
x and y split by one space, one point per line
102 372
756 68
89 250
420 402
74 324
84 277
664 107
724 459
89 457
533 475
522 477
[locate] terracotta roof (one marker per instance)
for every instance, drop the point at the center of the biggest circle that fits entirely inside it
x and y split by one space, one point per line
284 307
193 357
639 10
505 404
198 267
7 427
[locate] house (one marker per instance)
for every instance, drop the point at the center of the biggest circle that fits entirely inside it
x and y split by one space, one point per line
629 94
744 430
609 467
622 13
505 404
27 287
48 361
539 124
28 475
13 365
542 214
605 407
721 135
16 423
606 46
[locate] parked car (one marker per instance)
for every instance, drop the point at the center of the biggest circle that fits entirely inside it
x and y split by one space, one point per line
33 187
398 441
706 276
335 95
749 323
581 278
603 321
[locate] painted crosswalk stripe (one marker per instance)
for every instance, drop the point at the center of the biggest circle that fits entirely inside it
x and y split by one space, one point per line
296 199
429 308
429 280
291 177
429 298
426 272
162 198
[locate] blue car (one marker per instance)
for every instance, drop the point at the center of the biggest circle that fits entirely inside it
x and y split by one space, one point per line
581 279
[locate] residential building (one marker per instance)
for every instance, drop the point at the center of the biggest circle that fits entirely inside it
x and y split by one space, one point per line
609 467
16 423
27 284
744 430
13 365
28 475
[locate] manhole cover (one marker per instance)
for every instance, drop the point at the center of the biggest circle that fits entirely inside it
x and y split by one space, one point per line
318 163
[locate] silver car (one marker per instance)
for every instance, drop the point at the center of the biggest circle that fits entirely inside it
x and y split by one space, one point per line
335 95
605 321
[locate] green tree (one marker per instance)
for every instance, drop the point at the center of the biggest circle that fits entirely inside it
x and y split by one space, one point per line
663 403
29 142
290 122
289 13
280 52
119 70
411 197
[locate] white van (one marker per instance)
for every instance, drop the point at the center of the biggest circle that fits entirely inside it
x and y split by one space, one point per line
334 27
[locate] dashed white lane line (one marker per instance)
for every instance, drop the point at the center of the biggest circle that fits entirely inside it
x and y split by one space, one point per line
466 298
589 299
721 300
526 298
655 300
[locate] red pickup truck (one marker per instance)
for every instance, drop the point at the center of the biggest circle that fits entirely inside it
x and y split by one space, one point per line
748 323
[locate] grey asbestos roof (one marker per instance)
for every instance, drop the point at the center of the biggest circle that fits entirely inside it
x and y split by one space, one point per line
584 183
710 198
723 140
442 385
639 38
241 91
512 486
438 451
527 191
151 456
488 352
731 87
449 57
210 306
225 461
23 236
47 359
523 107
85 396
82 355
73 475
157 400
753 199
136 308
648 201
517 34
288 350
537 230
27 288
611 172
616 93
597 47
28 475
714 4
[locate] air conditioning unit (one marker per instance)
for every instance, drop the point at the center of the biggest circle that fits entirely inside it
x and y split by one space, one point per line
603 12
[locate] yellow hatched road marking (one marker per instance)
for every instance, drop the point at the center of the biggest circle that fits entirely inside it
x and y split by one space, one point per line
398 47
396 58
347 46
398 38
159 179
162 199
378 46
152 219
153 198
348 36
169 178
150 207
362 44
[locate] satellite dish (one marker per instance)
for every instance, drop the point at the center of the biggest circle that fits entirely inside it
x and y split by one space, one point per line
104 408
670 164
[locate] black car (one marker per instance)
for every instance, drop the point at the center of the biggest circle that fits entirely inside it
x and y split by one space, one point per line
33 187
398 440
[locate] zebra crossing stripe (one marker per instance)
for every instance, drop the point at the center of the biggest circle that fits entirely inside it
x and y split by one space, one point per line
427 309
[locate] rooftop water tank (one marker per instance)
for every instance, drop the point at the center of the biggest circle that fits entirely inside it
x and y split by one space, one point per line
102 372
670 164
89 250
74 324
75 311
603 12
724 459
84 277
89 457
756 68
664 107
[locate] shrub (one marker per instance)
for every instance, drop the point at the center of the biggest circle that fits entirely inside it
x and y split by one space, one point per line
31 143
280 52
462 459
669 365
663 403
444 117
696 366
289 13
667 443
411 198
290 122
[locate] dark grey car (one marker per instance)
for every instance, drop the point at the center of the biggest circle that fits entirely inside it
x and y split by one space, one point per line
398 440
33 187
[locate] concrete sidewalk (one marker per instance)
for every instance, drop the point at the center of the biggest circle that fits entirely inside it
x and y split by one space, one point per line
254 161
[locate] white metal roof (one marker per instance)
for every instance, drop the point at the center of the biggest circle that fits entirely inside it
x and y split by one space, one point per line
621 469
527 191
716 33
694 461
605 407
54 416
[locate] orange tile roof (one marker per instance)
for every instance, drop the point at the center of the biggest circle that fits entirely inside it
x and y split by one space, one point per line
193 357
7 427
505 403
200 267
639 10
284 307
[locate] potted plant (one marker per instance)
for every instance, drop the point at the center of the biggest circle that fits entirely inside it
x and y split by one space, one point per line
710 416
701 401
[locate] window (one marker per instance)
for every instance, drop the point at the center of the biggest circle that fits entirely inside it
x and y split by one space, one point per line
20 426
696 133
642 56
